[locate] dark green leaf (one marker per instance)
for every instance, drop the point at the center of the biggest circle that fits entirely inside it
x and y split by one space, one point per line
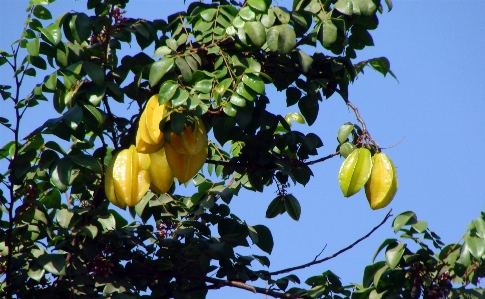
276 207
309 108
94 71
80 26
87 161
327 34
53 263
265 238
292 207
184 68
42 13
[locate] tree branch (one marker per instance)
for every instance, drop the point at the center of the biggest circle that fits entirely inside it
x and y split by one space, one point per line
315 261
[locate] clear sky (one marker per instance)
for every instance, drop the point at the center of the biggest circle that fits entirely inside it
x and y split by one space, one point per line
436 49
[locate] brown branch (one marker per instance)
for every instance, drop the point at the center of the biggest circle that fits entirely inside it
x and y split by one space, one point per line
220 283
315 261
322 159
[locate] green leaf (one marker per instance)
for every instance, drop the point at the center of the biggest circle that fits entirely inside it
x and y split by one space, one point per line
36 272
394 253
64 217
246 14
281 39
237 100
465 257
344 6
158 69
33 46
479 224
476 246
52 33
276 207
327 34
403 219
384 244
163 50
167 91
38 62
94 71
184 68
53 263
180 97
294 116
379 273
292 207
366 8
108 223
260 5
50 82
42 13
90 230
256 32
254 82
282 14
61 174
265 238
203 86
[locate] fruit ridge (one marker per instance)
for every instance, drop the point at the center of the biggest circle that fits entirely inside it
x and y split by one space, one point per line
382 185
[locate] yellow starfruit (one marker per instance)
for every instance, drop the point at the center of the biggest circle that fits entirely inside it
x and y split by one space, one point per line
185 167
382 185
160 172
127 177
191 140
355 171
149 137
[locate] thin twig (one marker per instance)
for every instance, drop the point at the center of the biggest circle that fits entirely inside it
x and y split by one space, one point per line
314 262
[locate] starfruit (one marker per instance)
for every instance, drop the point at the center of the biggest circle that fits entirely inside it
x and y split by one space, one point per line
191 140
382 185
127 177
160 172
149 137
355 171
185 167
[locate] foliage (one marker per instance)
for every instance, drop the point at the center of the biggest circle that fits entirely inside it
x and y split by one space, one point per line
213 62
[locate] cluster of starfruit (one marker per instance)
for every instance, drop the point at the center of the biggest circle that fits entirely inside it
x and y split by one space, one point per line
376 173
155 160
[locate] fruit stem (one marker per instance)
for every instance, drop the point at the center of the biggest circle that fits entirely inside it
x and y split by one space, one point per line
366 138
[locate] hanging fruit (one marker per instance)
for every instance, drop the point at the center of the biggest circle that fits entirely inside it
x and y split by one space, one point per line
184 167
191 140
160 172
127 177
355 171
149 138
382 185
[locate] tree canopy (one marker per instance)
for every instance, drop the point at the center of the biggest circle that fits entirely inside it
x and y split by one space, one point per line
94 202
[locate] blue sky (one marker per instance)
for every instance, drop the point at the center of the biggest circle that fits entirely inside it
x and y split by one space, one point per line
436 51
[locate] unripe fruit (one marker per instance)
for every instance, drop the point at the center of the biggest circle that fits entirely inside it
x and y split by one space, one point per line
191 140
185 167
160 172
355 171
382 185
127 178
